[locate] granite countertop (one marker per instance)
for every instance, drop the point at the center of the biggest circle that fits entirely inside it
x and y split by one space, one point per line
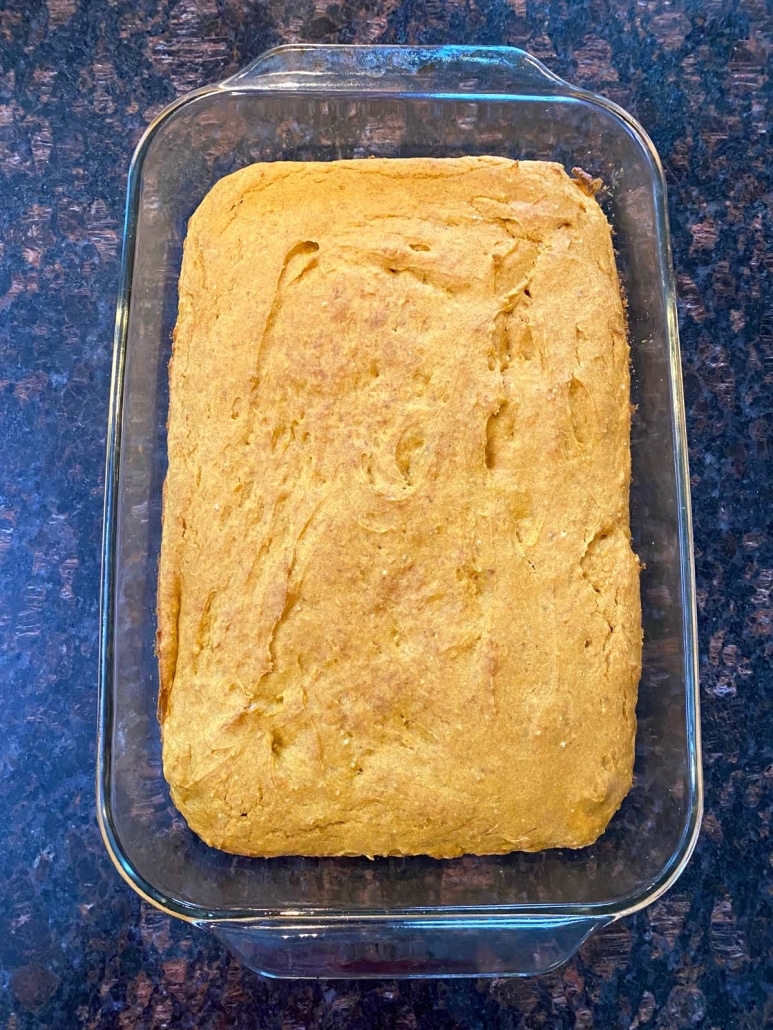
79 80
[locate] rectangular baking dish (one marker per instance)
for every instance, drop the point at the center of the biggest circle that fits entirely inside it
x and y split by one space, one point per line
517 914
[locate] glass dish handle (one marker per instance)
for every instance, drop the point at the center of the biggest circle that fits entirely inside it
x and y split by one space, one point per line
450 70
435 947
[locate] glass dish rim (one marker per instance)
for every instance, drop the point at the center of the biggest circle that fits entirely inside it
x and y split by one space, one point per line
248 80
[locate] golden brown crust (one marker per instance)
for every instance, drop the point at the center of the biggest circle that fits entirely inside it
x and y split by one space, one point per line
398 606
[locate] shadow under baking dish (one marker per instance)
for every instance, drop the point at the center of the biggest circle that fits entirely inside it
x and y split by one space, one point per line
322 103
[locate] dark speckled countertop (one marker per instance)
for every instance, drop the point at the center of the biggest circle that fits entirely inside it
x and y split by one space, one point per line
79 80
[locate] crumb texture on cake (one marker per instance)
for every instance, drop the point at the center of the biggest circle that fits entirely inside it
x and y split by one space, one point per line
398 606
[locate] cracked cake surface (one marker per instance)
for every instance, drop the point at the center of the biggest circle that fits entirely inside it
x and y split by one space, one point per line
398 607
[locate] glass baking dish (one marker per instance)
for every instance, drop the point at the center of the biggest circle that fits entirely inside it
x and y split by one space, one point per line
297 917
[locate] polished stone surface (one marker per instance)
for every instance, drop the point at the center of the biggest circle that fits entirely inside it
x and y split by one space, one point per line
79 80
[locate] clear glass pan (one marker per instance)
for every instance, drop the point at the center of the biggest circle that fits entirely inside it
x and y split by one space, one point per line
515 914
